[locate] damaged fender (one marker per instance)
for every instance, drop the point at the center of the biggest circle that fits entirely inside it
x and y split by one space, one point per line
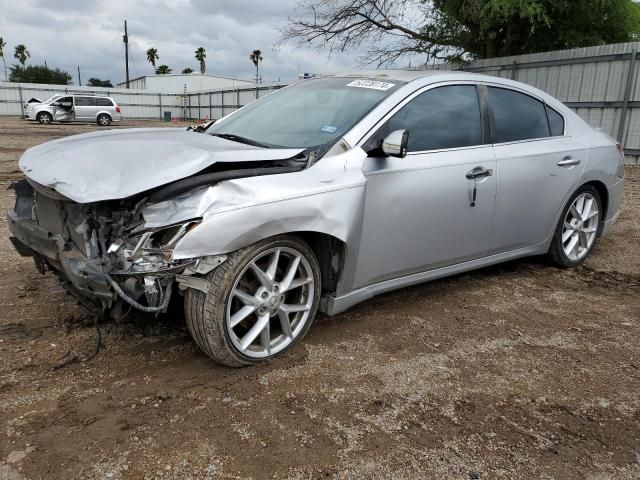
238 213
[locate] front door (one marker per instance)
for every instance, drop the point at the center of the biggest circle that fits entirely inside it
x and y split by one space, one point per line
63 110
419 210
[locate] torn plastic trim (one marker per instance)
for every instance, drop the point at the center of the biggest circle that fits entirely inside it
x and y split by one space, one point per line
196 283
202 266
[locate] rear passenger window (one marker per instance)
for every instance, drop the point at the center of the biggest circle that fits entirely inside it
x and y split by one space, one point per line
84 101
104 102
517 116
556 122
445 117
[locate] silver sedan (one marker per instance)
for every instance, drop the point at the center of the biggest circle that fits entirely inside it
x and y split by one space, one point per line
316 197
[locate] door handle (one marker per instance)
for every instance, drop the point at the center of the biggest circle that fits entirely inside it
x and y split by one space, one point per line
569 162
479 172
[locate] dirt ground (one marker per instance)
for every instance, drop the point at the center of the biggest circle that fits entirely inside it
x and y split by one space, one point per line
516 371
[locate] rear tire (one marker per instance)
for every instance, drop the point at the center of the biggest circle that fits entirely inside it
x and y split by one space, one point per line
104 120
578 228
261 302
44 118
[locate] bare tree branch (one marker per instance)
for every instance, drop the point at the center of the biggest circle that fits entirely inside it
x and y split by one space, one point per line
386 30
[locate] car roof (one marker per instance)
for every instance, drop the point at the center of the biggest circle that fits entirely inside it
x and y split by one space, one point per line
397 74
80 94
428 76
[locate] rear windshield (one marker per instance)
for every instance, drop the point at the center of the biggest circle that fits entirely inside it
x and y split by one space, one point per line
308 114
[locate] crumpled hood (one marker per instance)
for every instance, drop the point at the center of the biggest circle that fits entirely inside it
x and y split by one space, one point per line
116 164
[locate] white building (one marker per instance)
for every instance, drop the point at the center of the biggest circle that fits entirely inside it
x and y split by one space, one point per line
193 82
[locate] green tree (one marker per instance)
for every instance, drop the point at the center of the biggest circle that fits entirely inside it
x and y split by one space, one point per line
152 56
96 82
21 54
187 70
163 70
511 27
461 29
4 63
39 74
256 58
200 56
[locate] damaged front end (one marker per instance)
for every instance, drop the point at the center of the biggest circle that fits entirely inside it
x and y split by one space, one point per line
101 251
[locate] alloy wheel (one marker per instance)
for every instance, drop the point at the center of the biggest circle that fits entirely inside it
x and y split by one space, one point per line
580 227
270 302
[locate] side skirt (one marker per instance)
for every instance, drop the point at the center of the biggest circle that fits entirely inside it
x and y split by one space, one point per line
331 305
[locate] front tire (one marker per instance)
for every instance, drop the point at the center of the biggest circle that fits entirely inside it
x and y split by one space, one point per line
44 118
261 302
104 120
578 228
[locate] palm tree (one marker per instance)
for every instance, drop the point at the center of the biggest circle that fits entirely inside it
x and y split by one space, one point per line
163 70
200 56
2 45
152 56
256 58
187 70
21 53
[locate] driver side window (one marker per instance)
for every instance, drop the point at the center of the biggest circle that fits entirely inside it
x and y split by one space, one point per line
440 118
65 102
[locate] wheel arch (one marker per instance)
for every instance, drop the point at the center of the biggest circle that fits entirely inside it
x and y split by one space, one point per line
103 112
43 111
603 192
330 252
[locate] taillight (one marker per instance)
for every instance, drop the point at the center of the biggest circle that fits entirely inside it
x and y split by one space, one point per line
620 149
117 109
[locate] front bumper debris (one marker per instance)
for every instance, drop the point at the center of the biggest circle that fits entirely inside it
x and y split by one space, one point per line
61 256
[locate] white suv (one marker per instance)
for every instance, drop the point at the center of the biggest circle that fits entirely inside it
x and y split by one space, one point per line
80 108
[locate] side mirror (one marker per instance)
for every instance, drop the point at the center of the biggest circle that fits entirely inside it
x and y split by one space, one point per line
395 144
55 104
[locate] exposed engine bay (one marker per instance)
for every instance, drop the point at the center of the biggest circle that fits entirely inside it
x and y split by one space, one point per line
103 252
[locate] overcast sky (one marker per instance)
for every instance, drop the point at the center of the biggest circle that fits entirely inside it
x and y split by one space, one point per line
67 33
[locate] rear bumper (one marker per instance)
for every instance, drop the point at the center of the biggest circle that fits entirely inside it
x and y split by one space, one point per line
66 260
616 192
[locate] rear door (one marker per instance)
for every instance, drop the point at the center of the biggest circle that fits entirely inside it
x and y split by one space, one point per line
104 104
84 108
539 164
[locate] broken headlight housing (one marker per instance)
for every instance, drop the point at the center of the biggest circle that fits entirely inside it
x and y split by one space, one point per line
150 251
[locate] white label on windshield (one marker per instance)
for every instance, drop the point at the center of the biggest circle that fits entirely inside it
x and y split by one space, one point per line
375 85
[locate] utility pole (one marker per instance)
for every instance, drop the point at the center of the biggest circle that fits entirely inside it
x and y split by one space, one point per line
126 51
79 79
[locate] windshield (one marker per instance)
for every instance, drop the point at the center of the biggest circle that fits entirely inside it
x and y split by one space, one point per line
51 99
308 114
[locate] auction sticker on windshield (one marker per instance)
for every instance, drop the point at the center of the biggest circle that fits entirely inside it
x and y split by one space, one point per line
371 84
